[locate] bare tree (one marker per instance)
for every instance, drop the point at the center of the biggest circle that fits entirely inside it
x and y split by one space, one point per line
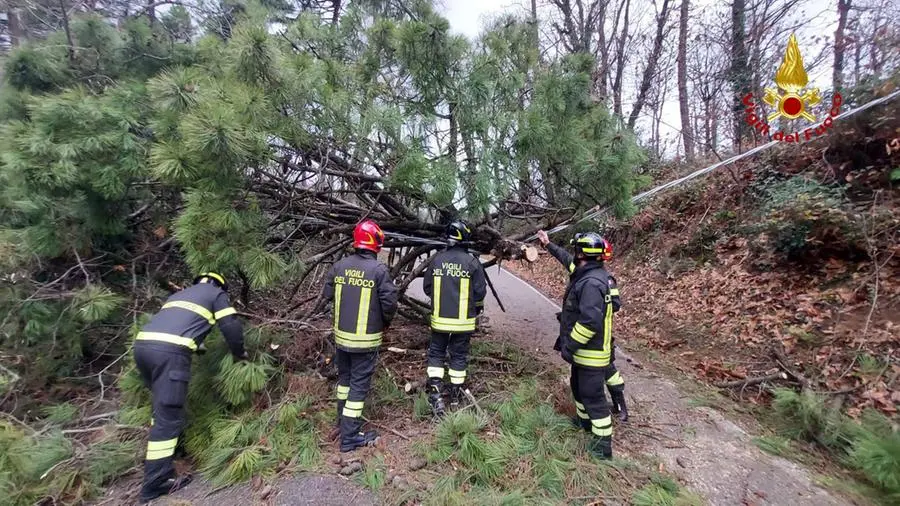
740 71
687 135
837 79
621 57
652 62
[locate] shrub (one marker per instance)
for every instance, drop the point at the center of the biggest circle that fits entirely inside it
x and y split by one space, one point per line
804 219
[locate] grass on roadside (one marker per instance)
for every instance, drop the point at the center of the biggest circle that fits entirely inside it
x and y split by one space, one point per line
870 447
663 491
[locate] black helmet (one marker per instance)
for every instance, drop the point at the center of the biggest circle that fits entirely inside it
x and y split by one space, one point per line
591 244
212 277
458 231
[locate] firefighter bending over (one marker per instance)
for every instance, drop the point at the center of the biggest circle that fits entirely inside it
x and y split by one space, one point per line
585 339
455 282
162 353
365 302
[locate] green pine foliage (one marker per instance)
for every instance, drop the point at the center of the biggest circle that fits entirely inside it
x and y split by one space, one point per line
60 414
236 382
374 474
663 491
870 445
45 466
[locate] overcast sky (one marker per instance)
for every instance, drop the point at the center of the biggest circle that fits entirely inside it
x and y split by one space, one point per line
467 18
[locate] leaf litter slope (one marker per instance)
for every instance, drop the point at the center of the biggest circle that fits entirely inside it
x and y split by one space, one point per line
712 454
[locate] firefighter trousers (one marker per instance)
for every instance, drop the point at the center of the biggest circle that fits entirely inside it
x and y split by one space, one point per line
614 382
166 370
355 372
590 401
457 346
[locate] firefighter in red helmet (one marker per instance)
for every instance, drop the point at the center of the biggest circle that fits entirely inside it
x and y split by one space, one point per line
365 302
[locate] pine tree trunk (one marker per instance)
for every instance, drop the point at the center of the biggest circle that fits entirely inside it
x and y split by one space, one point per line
336 12
653 61
15 27
453 148
525 170
620 63
687 134
739 69
151 11
524 186
70 46
603 74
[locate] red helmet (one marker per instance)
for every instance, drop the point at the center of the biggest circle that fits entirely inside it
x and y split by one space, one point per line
607 250
368 235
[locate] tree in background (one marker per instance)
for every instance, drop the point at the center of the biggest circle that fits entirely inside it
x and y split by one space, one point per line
687 134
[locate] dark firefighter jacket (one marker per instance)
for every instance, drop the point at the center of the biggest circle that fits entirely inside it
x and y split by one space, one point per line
455 281
189 315
365 301
585 323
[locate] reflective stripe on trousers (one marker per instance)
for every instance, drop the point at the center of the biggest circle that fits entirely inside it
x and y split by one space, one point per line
161 449
187 342
457 377
353 409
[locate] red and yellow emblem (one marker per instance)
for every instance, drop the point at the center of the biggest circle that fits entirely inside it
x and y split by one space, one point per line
791 78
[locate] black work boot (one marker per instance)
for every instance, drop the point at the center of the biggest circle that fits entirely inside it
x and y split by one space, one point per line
618 405
358 440
456 396
434 398
581 423
600 447
167 487
340 411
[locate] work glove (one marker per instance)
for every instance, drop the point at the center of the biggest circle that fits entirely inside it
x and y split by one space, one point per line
557 346
559 316
201 350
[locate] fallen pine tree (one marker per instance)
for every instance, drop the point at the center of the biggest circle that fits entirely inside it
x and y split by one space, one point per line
133 159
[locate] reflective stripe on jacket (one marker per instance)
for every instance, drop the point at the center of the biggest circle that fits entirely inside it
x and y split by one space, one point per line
365 301
455 282
188 316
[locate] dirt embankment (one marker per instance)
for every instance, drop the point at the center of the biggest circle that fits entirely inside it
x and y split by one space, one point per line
786 263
